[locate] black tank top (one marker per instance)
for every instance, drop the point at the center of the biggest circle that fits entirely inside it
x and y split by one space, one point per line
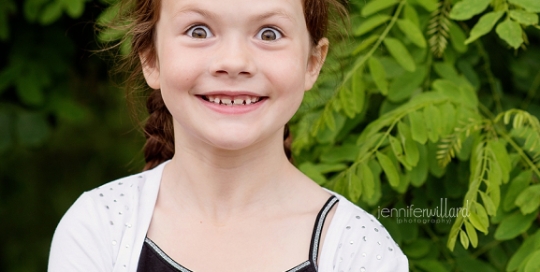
154 259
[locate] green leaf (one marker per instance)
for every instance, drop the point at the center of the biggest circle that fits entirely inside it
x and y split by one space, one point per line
429 5
533 265
398 151
466 9
340 184
463 239
488 203
524 251
471 232
411 149
379 74
419 173
400 53
358 90
482 214
328 117
479 218
523 17
365 44
412 32
432 116
528 5
311 170
345 98
32 9
529 199
325 168
510 32
377 5
447 71
355 186
418 127
406 84
396 145
431 265
448 118
371 23
375 168
51 13
457 38
29 89
501 158
368 182
409 13
464 95
389 169
517 185
514 225
344 153
32 128
74 8
484 25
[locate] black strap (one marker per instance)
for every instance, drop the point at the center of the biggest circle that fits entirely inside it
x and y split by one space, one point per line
317 229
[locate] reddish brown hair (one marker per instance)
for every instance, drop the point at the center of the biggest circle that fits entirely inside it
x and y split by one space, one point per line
138 18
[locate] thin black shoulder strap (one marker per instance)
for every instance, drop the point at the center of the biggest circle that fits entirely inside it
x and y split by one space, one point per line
317 229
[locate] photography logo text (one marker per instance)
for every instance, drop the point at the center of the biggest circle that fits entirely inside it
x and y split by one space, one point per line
440 214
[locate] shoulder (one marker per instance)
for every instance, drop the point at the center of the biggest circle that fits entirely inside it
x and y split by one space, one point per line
356 240
90 233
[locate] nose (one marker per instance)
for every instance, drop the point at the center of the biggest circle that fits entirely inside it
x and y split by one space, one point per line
233 58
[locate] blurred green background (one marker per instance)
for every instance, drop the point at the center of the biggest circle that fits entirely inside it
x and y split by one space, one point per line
65 126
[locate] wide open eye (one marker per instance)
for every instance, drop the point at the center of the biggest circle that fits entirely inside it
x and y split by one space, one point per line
269 34
199 32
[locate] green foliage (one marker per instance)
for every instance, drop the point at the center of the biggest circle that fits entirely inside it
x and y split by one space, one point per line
424 105
442 124
60 117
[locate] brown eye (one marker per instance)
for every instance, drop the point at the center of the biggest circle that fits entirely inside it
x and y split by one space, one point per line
199 32
269 34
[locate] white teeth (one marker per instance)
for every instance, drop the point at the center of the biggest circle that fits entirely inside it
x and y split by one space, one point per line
226 101
236 101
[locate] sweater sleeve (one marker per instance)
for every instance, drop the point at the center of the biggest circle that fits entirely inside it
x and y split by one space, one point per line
81 241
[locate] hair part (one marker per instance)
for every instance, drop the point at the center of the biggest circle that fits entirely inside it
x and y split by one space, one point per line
138 19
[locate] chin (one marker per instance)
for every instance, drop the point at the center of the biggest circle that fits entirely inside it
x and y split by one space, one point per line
232 141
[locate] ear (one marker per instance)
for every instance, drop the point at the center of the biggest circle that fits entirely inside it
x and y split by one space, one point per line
315 63
150 67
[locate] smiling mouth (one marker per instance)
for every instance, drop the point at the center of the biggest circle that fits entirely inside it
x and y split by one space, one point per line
240 100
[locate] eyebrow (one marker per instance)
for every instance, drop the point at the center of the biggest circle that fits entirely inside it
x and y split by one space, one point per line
212 15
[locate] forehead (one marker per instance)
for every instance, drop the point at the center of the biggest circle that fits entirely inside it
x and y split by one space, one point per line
235 9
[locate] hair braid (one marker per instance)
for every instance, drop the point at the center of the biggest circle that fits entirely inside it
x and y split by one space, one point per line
159 132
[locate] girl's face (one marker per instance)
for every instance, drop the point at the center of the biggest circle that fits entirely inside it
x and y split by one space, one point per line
233 72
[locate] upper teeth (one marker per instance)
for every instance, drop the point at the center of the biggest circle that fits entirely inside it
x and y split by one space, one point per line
238 100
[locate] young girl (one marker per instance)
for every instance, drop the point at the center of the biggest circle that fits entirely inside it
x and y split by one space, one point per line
219 193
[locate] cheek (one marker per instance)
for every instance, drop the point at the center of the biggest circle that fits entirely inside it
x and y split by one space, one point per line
178 75
287 72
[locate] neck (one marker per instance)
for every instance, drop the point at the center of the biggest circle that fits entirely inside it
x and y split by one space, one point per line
220 184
